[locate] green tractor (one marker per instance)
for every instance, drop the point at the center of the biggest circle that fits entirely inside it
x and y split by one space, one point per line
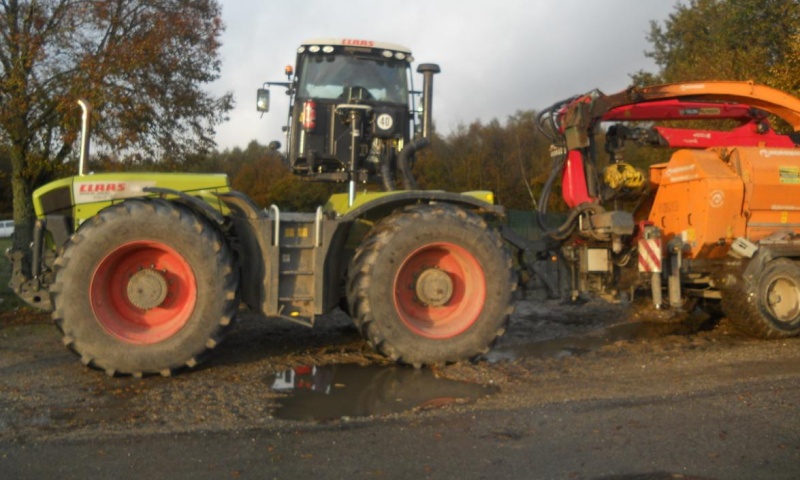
146 273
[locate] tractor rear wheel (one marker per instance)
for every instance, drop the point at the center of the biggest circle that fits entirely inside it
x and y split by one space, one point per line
431 284
145 286
770 307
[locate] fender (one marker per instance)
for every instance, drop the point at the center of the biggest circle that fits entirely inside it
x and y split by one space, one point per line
195 204
375 205
252 232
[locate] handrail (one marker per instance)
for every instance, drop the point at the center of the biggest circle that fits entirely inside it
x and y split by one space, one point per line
318 227
277 214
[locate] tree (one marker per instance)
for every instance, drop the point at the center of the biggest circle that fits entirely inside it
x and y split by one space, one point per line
786 75
512 160
724 40
728 40
141 64
268 181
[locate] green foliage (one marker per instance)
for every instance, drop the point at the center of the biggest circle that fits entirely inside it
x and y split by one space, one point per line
740 40
728 40
786 75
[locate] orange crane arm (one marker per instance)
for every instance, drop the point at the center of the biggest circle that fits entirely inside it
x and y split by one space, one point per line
765 98
577 117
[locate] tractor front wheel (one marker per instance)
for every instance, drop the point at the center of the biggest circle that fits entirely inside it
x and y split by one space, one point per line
145 286
431 284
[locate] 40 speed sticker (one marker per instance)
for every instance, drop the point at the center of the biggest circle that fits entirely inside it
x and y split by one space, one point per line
385 121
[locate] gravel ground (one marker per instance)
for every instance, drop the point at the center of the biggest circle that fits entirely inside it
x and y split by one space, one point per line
551 352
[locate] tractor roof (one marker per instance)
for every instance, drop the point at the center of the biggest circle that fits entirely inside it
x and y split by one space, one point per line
354 42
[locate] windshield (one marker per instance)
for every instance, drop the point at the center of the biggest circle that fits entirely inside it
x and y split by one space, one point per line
329 76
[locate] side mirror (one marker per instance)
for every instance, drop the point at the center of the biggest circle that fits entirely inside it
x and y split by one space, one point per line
262 100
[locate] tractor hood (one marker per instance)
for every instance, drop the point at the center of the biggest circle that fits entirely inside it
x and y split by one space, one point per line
88 194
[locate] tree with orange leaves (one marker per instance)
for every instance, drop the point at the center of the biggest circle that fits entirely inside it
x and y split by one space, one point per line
142 64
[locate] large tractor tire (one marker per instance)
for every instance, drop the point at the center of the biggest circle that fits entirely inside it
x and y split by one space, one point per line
144 287
769 306
431 284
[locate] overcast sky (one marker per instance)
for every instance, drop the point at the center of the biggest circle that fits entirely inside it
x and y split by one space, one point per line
497 57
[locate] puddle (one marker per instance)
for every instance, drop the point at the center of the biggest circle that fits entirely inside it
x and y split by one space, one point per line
594 340
346 391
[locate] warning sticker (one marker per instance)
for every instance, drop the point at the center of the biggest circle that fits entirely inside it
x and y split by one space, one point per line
789 175
716 199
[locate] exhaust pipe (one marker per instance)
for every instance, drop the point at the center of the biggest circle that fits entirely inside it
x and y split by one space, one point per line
428 70
85 132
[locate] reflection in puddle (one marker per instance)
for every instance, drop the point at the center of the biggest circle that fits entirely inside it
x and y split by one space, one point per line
340 391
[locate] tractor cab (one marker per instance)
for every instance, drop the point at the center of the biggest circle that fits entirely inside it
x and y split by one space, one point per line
351 110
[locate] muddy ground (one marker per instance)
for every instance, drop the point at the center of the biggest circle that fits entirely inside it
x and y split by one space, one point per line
46 393
271 376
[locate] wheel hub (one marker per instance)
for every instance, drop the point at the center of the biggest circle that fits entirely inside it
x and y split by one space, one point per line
783 299
147 289
434 287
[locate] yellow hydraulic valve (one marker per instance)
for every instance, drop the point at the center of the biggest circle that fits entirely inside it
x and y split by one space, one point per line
622 175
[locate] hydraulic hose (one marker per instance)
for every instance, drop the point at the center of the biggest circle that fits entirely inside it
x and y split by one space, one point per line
558 165
546 122
386 174
566 229
404 163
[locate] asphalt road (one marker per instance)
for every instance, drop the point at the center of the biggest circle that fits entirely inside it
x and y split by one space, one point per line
712 434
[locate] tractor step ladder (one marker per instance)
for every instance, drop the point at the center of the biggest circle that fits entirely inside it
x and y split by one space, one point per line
297 237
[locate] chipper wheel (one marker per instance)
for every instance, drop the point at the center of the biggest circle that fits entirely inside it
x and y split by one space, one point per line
431 284
770 306
145 286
